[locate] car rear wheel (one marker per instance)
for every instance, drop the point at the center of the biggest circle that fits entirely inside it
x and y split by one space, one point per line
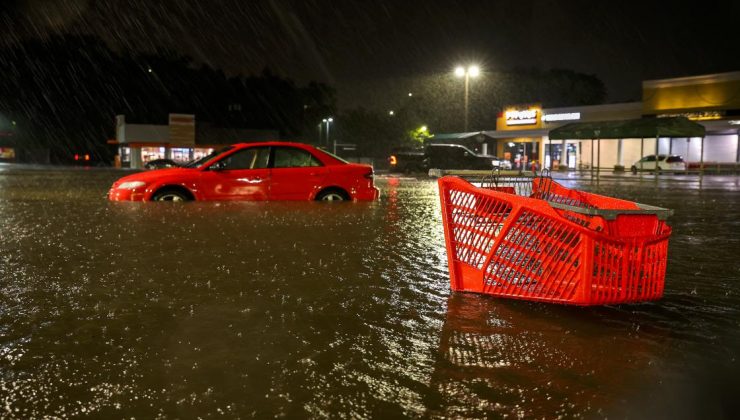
634 170
171 195
332 195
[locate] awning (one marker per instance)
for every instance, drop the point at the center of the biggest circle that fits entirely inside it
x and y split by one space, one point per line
511 134
440 138
629 129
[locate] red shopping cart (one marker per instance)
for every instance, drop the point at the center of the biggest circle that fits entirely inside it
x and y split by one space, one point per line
531 238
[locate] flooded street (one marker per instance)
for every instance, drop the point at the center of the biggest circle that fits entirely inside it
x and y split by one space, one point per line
211 309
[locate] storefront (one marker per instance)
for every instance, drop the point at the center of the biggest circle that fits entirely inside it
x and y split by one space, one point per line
181 140
710 100
610 138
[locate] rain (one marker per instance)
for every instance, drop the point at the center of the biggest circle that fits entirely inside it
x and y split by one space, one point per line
305 309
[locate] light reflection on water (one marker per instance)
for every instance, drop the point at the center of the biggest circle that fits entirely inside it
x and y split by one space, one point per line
305 309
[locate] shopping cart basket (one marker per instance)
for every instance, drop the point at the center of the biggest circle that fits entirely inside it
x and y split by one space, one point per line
531 238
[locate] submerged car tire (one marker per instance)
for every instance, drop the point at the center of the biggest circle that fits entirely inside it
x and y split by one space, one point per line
332 194
171 194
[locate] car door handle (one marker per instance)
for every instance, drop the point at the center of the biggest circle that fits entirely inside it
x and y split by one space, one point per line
251 180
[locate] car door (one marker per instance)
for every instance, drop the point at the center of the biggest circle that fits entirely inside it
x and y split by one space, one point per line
296 174
647 163
455 158
242 175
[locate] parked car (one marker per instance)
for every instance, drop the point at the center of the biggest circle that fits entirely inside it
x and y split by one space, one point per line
444 156
407 160
161 164
253 171
662 163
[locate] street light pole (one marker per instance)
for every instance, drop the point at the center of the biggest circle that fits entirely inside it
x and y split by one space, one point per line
467 97
328 124
467 73
328 121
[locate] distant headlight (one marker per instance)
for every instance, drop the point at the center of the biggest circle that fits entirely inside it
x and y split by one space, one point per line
130 185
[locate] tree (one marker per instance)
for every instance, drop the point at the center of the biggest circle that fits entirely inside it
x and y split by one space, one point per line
64 92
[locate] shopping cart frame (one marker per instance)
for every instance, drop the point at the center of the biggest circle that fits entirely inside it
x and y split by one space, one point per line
555 245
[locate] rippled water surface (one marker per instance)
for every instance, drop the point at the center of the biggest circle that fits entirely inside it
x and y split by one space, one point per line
113 310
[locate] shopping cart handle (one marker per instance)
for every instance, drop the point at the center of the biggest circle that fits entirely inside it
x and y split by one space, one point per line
611 214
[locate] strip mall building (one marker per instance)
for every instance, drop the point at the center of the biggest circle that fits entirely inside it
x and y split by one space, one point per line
181 140
523 132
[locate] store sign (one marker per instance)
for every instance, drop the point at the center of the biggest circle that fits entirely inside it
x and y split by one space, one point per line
521 117
569 116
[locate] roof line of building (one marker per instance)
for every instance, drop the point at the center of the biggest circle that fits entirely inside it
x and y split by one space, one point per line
692 80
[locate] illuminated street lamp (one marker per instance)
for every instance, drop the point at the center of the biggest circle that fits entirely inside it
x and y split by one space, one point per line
467 73
328 122
391 112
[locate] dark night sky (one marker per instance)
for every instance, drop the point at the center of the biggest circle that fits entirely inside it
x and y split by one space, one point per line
354 44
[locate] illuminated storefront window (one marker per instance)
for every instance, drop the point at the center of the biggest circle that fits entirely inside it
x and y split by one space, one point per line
125 154
150 153
199 153
180 154
558 158
521 154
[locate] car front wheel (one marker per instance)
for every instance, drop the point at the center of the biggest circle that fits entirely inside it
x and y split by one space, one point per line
170 195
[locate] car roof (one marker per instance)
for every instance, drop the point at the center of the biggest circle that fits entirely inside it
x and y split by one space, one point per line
272 143
327 155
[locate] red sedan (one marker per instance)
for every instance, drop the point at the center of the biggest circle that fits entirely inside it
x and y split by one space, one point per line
253 171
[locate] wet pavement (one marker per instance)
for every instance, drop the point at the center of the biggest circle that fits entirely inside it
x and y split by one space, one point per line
146 310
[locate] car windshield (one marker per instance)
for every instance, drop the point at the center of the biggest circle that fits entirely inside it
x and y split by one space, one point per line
197 162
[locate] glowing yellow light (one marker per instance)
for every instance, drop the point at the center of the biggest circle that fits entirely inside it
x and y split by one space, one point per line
473 71
459 71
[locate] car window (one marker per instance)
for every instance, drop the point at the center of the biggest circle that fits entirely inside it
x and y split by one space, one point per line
197 162
251 158
674 159
290 157
453 151
650 158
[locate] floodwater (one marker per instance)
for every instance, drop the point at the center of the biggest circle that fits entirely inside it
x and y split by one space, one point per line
146 310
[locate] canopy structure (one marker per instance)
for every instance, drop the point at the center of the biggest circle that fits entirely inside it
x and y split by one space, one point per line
650 128
629 129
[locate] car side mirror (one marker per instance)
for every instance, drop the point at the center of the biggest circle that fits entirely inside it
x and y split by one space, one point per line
218 166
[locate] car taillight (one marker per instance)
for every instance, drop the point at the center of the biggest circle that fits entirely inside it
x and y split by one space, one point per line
392 160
